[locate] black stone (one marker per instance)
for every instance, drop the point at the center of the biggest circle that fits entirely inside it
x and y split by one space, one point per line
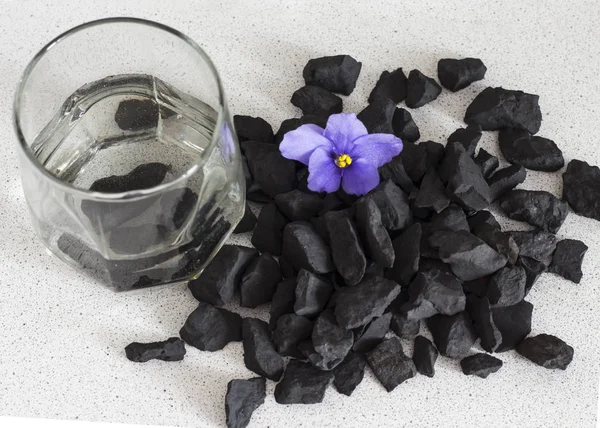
259 281
453 335
260 355
357 306
312 294
373 334
435 152
374 269
297 205
427 251
283 301
481 220
136 240
393 204
452 218
513 323
537 245
480 311
468 256
435 292
302 384
305 249
538 208
137 114
335 73
346 249
466 184
499 108
268 233
506 179
176 207
376 240
547 351
172 349
318 223
487 162
286 126
247 174
390 365
141 177
567 259
425 355
247 223
330 341
273 173
507 286
253 129
414 157
421 89
404 126
407 248
405 327
349 374
502 242
243 397
467 137
221 278
536 153
581 188
533 270
480 364
315 100
291 329
390 86
210 329
332 202
377 116
457 74
432 194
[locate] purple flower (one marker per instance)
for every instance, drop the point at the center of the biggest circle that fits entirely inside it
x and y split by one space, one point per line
344 152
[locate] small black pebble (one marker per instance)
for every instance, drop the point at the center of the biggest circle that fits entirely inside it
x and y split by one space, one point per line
374 237
330 341
481 313
407 249
172 349
210 329
243 397
311 295
404 126
346 248
273 173
506 179
268 233
538 208
467 137
260 355
513 323
536 153
305 249
393 204
453 335
297 205
283 301
547 351
567 259
487 162
537 245
135 115
390 365
291 329
302 384
425 355
481 365
581 188
316 101
457 74
259 281
349 374
373 334
247 223
253 129
378 116
390 86
421 89
337 73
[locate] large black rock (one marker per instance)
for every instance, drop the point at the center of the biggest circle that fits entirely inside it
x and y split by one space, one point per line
537 245
536 153
221 278
415 158
538 208
373 334
243 397
547 351
315 100
513 323
533 270
507 286
291 329
377 116
268 233
480 312
302 384
395 172
376 240
421 89
457 74
335 73
330 341
436 292
506 179
260 355
210 329
502 242
250 128
482 220
404 326
487 162
432 193
273 173
467 137
453 335
259 281
425 355
567 259
305 249
312 294
452 218
390 86
297 205
407 248
283 301
581 188
349 374
393 204
435 152
466 183
172 349
346 248
480 364
404 126
390 365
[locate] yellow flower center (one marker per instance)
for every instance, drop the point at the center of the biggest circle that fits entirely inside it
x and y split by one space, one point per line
342 161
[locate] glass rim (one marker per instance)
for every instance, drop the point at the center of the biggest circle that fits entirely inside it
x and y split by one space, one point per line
91 194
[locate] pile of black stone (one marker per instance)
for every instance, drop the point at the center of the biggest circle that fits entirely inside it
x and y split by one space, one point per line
342 273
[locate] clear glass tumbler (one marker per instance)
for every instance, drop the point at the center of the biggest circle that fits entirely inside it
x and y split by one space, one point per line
129 160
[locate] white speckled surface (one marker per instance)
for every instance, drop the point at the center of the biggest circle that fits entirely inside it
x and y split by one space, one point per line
62 336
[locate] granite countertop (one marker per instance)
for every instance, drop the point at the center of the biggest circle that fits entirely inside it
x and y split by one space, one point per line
63 335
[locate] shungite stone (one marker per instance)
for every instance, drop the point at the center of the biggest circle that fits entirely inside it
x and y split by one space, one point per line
320 226
457 74
247 174
247 223
535 244
346 249
316 100
536 153
480 311
482 220
421 89
414 157
480 364
253 129
435 152
407 248
332 202
291 329
172 349
312 294
513 323
478 286
377 116
286 126
268 233
450 160
176 207
507 286
403 326
432 194
506 179
283 301
287 269
358 305
404 126
221 278
467 137
260 355
427 251
259 281
349 374
538 208
436 292
425 355
374 236
390 86
390 365
498 108
136 239
271 171
297 205
243 397
373 334
467 185
374 269
581 188
453 335
567 259
547 351
468 256
335 73
487 162
137 114
305 249
302 384
210 329
533 270
452 218
331 341
502 242
393 204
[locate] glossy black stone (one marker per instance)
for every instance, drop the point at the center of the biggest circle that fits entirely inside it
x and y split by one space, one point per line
432 194
452 218
457 74
247 223
210 329
538 208
568 258
533 270
373 334
395 172
480 311
414 157
435 292
172 349
507 286
330 341
466 183
291 329
337 73
250 128
538 245
403 326
502 242
513 323
283 301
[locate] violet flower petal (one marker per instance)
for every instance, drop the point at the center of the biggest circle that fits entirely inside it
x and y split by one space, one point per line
323 174
300 143
377 149
342 129
360 178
